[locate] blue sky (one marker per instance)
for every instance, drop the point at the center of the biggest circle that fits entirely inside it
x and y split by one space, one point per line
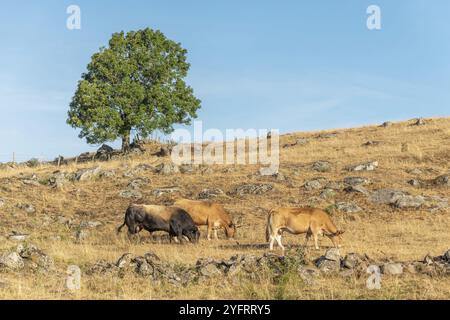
288 65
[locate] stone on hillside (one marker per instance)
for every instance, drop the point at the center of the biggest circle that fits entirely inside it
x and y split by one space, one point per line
447 256
164 151
333 254
356 181
187 168
2 202
408 201
327 135
386 196
321 166
137 183
107 174
415 182
253 189
28 208
415 171
327 194
357 189
348 207
334 185
12 261
368 166
124 261
57 180
135 194
419 122
35 258
82 235
387 124
371 143
90 224
442 181
392 268
314 184
165 190
86 174
352 260
15 236
210 193
167 168
209 270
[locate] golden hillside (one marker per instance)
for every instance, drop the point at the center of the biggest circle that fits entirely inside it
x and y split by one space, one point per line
52 217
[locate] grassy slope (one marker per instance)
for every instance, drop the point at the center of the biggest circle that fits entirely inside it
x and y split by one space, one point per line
380 231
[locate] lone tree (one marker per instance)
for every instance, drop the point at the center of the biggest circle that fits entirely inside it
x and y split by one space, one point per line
135 84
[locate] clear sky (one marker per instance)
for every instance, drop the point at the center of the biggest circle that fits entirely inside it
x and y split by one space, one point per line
288 65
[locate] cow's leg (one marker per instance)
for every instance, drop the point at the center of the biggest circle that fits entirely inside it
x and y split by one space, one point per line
316 240
308 235
278 238
208 233
215 234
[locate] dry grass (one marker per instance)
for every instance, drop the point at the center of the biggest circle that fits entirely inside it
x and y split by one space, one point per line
380 231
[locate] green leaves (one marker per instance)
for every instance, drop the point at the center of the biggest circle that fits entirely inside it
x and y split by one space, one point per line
136 83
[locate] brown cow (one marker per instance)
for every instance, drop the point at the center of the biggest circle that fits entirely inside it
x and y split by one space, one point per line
307 220
206 213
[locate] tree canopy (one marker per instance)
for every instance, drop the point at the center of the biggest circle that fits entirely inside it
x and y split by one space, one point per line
136 84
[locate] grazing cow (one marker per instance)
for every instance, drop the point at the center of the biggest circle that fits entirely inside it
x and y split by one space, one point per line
173 220
311 221
206 213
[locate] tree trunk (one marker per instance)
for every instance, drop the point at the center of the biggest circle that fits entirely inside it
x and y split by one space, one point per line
126 142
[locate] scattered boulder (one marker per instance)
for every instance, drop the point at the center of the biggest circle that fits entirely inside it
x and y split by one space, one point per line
371 143
387 124
107 174
27 207
90 224
253 189
443 180
164 151
328 194
408 201
11 261
167 168
35 259
415 182
314 184
352 261
298 142
165 190
356 181
135 194
210 193
419 122
82 235
327 135
392 269
2 202
57 180
330 262
17 236
187 168
368 166
321 166
357 189
86 174
386 196
137 183
348 207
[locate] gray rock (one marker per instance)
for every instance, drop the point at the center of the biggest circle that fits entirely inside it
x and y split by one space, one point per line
124 261
327 194
357 189
86 174
210 193
447 256
107 174
368 166
371 143
137 183
419 122
135 194
386 196
333 254
322 166
187 168
28 208
356 181
442 181
415 182
210 270
334 185
409 202
167 169
2 202
348 207
82 235
165 190
387 124
352 260
392 268
57 180
12 261
415 171
253 189
18 237
314 184
90 224
35 259
328 266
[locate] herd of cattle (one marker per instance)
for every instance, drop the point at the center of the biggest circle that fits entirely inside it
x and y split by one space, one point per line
185 216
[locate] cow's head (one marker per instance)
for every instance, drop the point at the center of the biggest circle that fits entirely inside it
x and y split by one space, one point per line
192 233
337 238
230 230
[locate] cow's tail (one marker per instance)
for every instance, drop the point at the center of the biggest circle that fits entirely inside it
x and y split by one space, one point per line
269 229
120 228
